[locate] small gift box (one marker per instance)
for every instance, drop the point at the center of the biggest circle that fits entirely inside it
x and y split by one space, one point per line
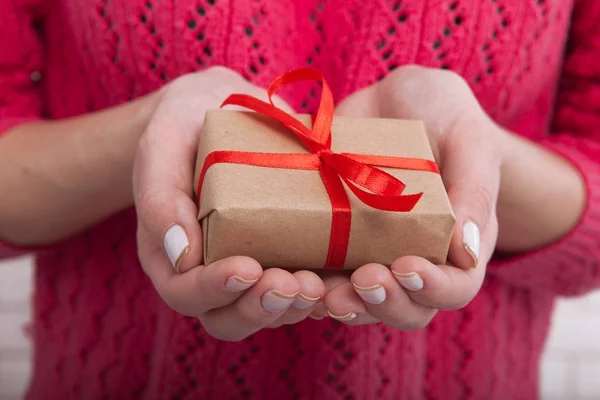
297 192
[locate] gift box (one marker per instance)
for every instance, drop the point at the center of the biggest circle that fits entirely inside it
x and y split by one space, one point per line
297 192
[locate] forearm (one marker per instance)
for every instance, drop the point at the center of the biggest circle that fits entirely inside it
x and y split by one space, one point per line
542 196
60 177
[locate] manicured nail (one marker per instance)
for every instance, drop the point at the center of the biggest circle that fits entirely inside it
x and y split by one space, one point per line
410 281
237 284
471 241
373 294
347 317
303 302
275 301
176 245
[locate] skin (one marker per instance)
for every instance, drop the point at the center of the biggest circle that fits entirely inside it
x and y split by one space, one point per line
81 170
64 176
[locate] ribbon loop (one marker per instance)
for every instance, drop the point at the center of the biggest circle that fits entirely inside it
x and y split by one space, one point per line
324 117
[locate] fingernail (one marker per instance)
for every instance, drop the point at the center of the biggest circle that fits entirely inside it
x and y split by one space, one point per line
347 317
373 294
471 241
303 302
176 245
410 281
237 284
274 301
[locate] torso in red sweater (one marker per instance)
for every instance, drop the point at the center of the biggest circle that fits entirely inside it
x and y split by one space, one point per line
102 332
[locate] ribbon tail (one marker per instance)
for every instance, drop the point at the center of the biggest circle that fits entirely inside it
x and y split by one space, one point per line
372 186
400 203
373 179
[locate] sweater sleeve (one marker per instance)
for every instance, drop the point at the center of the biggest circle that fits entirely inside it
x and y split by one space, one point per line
571 266
21 63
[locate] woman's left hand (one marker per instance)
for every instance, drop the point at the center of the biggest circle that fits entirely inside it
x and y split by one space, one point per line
467 145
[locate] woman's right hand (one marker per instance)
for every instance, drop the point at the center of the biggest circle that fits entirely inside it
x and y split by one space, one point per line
233 297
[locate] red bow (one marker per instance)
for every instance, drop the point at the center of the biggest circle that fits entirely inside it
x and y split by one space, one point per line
372 186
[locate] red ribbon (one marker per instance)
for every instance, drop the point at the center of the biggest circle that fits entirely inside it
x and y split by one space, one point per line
371 185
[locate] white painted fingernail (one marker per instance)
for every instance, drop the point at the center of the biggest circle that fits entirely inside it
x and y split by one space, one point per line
373 294
346 317
303 302
471 241
275 301
410 281
237 284
176 245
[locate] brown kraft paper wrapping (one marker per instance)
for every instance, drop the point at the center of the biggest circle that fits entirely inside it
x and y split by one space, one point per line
282 217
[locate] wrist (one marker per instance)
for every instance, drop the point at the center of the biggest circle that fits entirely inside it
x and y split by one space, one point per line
108 143
517 231
129 124
532 209
134 120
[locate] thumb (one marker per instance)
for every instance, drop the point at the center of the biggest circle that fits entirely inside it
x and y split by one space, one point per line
162 186
471 174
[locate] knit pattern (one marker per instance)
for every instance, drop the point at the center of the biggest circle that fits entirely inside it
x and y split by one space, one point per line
100 330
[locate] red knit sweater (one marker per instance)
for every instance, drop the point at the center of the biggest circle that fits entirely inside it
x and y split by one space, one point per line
100 329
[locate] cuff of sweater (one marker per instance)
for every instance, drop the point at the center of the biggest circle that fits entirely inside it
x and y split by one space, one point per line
571 265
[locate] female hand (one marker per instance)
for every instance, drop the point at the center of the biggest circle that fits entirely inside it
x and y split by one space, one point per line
233 297
466 144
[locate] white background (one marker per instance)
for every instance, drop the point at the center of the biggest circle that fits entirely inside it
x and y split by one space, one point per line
570 369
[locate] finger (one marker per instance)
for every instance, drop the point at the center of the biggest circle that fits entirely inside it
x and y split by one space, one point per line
216 285
257 308
437 286
312 290
343 304
471 173
201 288
387 301
331 279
